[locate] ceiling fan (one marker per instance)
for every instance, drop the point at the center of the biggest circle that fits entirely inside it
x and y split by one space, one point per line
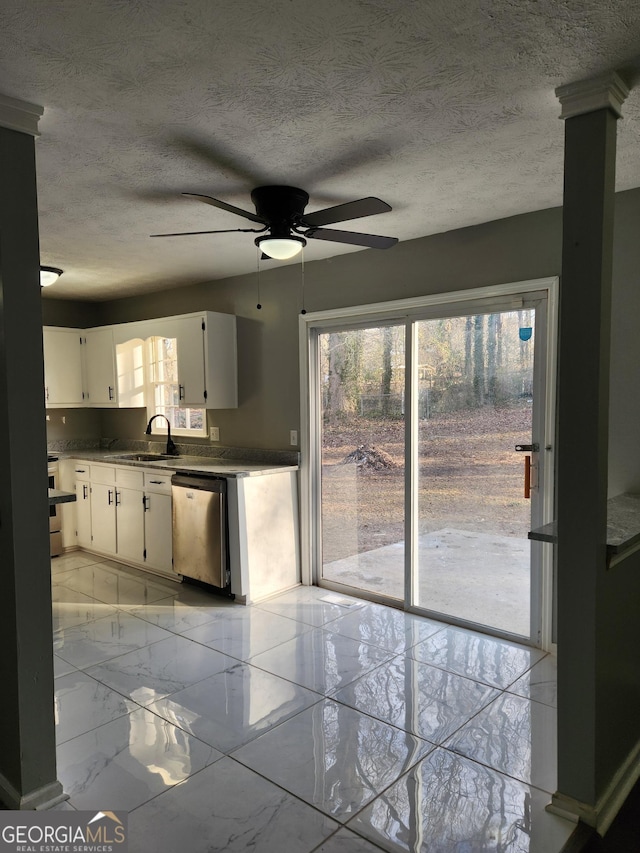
286 227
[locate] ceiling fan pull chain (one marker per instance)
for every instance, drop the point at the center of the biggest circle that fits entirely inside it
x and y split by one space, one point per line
304 310
259 305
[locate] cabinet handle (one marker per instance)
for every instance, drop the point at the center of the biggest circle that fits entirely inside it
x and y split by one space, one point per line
84 493
181 392
111 392
110 496
46 390
118 494
156 482
146 503
80 470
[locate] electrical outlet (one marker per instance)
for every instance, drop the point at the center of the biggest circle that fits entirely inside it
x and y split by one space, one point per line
214 433
293 437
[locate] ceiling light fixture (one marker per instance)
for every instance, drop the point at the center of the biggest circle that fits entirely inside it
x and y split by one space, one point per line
281 248
49 276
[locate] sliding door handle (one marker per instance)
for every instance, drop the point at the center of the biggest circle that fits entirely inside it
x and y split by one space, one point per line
527 476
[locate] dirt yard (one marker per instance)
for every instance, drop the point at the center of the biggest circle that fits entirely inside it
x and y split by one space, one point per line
470 478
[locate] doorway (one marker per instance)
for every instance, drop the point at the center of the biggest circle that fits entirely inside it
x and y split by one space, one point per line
419 495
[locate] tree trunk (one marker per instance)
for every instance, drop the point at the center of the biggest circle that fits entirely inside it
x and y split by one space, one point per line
335 402
387 370
478 360
492 380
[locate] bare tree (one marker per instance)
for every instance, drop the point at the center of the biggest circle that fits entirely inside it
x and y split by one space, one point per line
387 369
492 346
344 368
468 341
478 360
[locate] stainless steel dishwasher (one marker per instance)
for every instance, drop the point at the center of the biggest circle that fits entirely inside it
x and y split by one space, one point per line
199 528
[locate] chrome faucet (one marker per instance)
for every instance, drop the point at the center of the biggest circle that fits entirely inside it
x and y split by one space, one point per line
171 450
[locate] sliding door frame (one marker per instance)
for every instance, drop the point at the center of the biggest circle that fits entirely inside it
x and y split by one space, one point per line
407 311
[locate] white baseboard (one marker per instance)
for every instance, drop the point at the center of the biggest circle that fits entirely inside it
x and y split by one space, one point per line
44 797
601 815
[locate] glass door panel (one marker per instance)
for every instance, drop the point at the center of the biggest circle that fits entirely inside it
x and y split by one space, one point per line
474 405
362 376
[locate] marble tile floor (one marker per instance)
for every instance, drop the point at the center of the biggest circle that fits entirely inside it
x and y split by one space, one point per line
311 722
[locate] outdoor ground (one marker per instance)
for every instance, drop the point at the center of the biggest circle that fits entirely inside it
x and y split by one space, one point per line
471 478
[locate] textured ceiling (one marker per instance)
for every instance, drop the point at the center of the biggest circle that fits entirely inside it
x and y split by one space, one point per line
446 110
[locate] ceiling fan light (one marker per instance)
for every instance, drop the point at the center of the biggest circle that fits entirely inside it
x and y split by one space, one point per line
49 276
281 248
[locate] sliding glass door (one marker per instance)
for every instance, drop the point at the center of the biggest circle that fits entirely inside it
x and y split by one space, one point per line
429 433
362 378
475 396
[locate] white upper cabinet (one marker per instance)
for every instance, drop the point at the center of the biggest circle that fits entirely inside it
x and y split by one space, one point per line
207 359
205 347
221 360
188 334
101 387
63 385
115 366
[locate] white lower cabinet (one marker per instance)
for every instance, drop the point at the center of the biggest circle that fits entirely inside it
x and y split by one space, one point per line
130 525
157 532
103 518
158 539
82 505
125 513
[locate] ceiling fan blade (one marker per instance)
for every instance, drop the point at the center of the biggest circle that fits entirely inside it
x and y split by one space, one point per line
350 210
371 241
215 202
224 231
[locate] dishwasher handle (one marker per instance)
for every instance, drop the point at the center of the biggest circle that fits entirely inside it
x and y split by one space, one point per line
205 484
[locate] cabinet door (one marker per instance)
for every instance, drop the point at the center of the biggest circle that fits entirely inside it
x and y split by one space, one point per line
157 532
62 367
130 371
190 346
103 518
130 524
221 361
83 513
100 369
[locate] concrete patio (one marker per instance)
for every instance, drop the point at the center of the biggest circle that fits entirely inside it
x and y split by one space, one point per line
480 577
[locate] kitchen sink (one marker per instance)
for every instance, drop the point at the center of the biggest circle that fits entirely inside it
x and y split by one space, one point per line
143 457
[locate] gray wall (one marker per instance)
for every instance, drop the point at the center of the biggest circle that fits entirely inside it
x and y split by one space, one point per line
624 399
67 312
617 668
67 424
